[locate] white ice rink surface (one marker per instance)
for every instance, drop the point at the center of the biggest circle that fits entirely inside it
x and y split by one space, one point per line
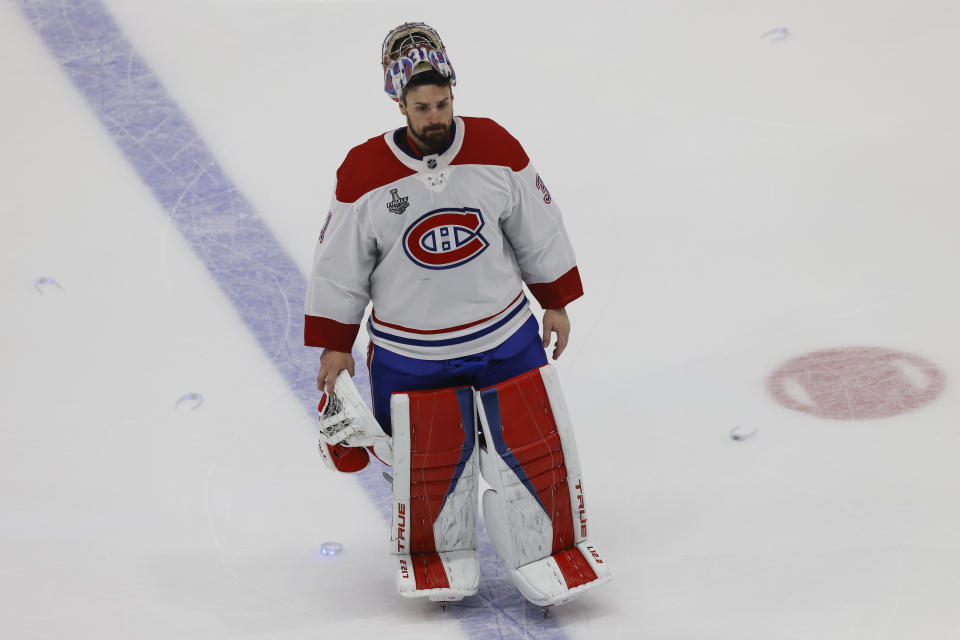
736 201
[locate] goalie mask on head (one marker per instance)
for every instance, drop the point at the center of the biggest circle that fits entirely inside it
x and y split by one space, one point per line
409 49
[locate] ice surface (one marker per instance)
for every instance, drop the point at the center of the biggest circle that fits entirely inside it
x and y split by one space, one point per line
737 203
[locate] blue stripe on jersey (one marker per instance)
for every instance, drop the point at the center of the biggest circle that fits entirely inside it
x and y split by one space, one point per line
448 341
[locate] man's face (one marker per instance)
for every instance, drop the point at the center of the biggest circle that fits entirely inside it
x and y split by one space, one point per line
429 111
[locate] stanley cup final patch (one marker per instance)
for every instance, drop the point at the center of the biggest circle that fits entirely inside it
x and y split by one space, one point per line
398 204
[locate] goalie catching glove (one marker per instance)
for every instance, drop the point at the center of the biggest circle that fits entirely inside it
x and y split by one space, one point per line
348 429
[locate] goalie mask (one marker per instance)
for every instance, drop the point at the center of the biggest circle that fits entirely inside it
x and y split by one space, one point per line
409 49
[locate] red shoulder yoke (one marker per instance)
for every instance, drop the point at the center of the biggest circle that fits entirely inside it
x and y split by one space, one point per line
368 166
486 142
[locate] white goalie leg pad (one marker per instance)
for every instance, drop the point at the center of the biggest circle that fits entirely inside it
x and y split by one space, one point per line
435 483
535 511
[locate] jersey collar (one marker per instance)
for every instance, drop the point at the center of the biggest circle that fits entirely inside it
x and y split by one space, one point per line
433 161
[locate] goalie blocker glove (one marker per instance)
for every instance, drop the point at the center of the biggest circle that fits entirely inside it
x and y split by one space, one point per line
348 431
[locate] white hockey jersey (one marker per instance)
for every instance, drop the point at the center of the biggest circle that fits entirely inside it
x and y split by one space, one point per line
441 244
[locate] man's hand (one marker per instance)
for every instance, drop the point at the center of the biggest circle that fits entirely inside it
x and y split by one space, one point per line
331 364
556 321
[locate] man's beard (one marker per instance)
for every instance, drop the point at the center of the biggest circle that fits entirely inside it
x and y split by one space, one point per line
433 138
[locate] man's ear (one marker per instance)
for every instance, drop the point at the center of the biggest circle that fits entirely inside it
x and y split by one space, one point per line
403 107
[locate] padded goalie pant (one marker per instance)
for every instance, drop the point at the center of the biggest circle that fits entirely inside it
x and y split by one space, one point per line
391 372
535 511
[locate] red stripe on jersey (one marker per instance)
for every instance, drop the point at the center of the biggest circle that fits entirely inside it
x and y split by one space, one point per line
436 444
574 567
429 572
329 334
560 292
530 432
486 142
427 332
367 167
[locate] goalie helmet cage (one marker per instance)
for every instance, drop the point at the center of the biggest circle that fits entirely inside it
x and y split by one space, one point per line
407 36
409 49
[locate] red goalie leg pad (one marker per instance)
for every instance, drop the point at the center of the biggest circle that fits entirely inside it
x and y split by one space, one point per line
429 572
441 442
526 437
574 567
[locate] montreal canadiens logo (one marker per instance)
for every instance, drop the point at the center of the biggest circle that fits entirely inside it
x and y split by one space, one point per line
445 238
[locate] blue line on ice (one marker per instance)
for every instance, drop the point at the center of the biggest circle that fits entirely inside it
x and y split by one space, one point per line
262 282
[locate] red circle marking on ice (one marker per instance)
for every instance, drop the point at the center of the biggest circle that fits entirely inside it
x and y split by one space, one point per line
856 383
